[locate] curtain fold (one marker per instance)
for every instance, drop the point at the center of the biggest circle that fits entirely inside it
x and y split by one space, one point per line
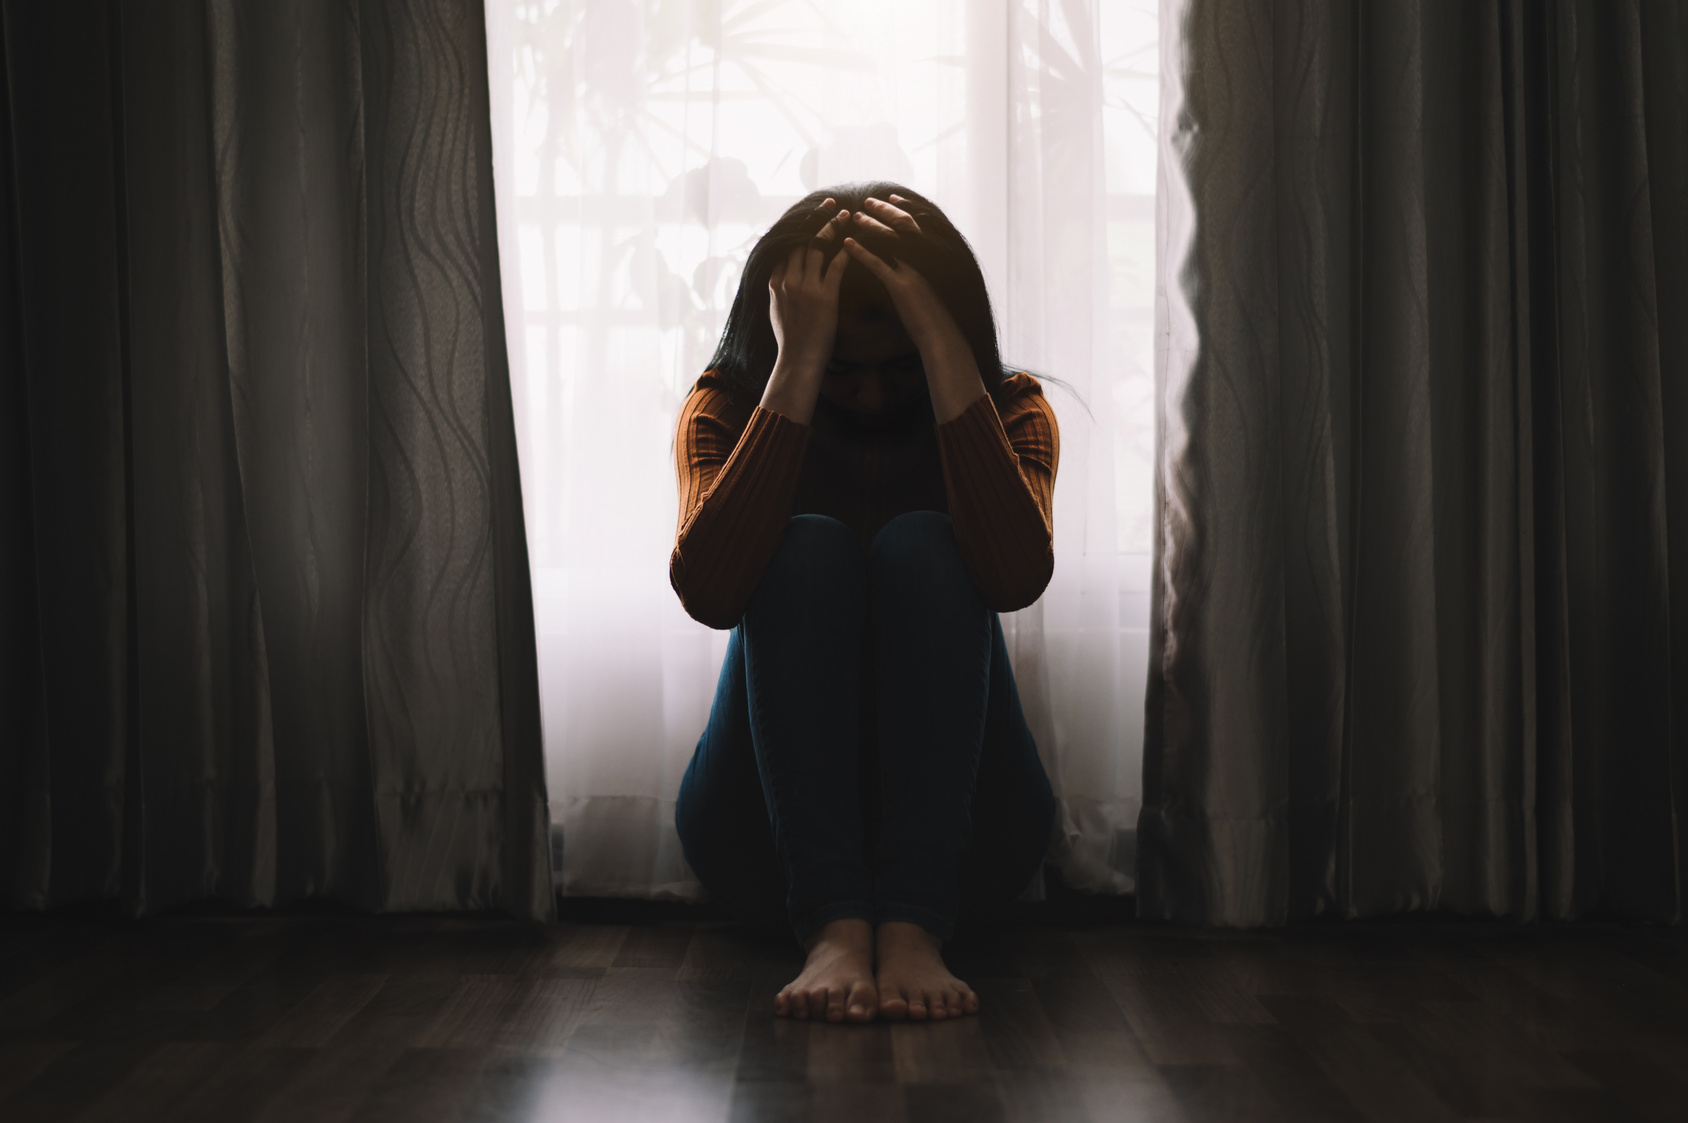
1419 510
264 549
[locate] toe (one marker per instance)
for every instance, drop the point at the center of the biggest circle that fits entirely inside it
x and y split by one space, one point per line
892 1003
862 1003
969 1002
782 1003
917 1008
800 1004
835 1004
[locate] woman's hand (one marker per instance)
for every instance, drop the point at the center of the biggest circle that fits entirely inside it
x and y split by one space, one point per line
803 310
952 372
803 297
924 316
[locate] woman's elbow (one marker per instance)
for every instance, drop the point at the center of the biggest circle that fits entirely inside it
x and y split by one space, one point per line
702 604
1022 588
710 615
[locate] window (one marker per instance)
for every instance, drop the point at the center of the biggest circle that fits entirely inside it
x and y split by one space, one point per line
641 146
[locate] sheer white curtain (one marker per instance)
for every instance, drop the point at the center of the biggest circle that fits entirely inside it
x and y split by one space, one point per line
640 148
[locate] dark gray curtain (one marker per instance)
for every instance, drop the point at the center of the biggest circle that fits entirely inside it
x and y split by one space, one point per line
267 627
1420 631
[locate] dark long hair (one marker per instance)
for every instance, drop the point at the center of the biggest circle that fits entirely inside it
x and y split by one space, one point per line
748 349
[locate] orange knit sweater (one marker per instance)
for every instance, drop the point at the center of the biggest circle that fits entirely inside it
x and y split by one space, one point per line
744 471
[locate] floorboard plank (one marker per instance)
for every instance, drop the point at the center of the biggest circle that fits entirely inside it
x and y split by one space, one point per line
655 946
562 1095
1289 1075
1221 1094
240 1089
1380 1083
587 946
771 1101
1017 1032
1129 1099
853 1103
850 1054
424 1084
158 1085
23 1061
1652 1092
74 1080
971 1102
1171 1029
332 1084
946 1052
319 1015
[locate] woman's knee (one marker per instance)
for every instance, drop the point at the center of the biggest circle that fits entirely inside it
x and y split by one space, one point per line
816 555
818 544
918 545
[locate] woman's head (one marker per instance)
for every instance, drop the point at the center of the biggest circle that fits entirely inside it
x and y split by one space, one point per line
875 366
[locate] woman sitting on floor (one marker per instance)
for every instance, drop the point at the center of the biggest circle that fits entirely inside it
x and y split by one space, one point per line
863 488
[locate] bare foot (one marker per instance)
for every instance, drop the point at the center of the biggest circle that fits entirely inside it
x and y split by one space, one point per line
837 981
913 981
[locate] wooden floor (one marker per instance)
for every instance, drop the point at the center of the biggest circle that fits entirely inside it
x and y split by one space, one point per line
322 1018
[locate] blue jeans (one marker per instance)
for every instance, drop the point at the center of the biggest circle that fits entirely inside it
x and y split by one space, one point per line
788 814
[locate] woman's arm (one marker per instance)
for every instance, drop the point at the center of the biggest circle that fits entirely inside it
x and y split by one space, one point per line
999 474
952 373
803 311
999 470
737 482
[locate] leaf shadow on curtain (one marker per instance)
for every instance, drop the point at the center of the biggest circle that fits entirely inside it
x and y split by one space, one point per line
1420 512
267 619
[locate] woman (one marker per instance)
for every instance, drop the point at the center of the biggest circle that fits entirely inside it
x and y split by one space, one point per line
862 490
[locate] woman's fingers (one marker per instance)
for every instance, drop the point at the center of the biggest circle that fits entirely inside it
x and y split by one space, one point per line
822 253
923 313
833 230
824 204
834 279
865 221
795 263
874 263
892 215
